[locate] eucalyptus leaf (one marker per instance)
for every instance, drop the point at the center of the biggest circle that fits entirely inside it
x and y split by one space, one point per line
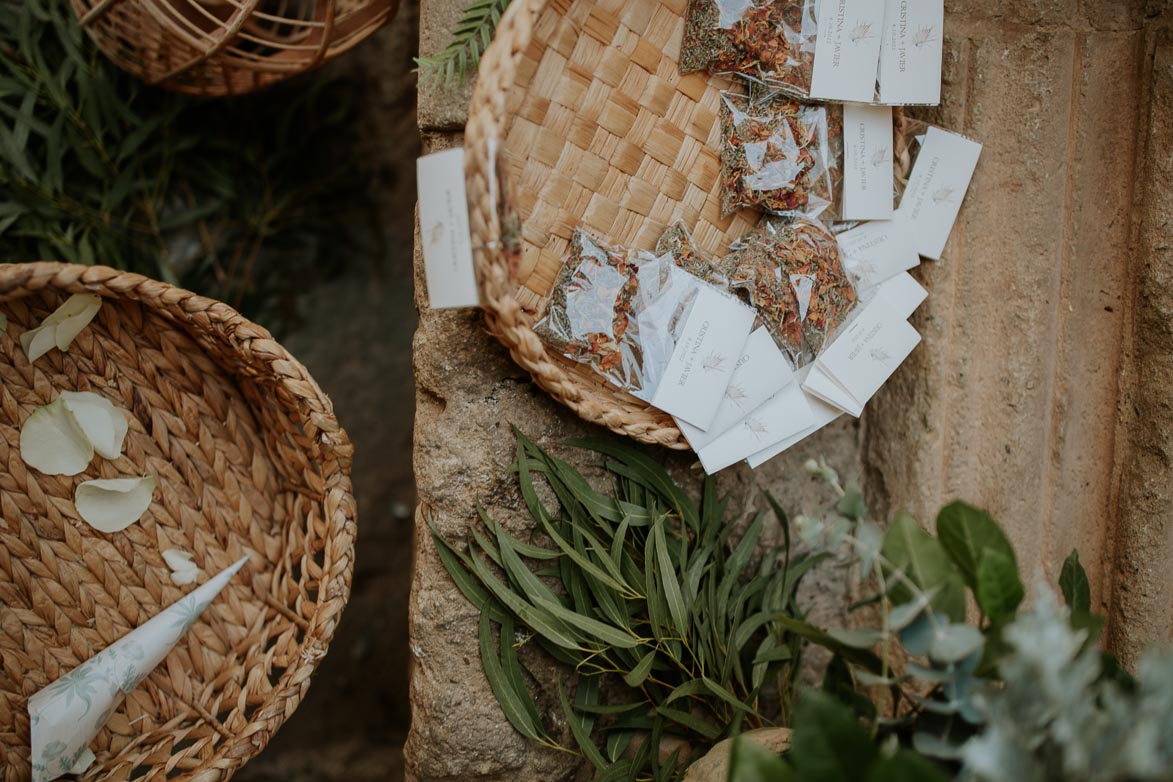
955 642
967 533
908 548
1074 584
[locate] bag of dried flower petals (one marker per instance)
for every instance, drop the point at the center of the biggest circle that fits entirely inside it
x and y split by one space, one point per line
677 242
590 318
781 156
771 41
794 275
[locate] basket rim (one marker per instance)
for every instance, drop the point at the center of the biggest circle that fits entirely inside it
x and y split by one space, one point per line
206 319
587 395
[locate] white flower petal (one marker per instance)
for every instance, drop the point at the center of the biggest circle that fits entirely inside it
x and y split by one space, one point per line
113 504
104 424
73 316
183 570
62 326
52 442
39 341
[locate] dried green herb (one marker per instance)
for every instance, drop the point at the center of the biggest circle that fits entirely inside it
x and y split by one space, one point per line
780 155
591 316
769 41
677 241
507 215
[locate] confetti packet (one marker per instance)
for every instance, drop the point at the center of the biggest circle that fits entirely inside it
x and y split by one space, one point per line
795 278
770 41
779 155
591 318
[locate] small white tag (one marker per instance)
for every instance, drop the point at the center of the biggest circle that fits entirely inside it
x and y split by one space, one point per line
704 358
786 413
939 181
862 358
903 293
821 414
847 50
877 251
760 373
910 52
444 230
867 157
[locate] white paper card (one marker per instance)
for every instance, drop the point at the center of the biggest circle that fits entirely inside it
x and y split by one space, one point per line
910 52
761 372
847 50
821 415
860 359
903 293
877 251
65 716
867 157
703 360
786 413
444 230
936 188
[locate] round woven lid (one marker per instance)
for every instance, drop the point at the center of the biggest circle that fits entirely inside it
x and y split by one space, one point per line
599 130
249 460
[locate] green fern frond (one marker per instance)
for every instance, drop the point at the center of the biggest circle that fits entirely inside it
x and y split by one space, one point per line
470 38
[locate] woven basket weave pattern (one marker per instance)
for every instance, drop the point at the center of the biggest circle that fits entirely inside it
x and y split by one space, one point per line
250 460
601 131
223 47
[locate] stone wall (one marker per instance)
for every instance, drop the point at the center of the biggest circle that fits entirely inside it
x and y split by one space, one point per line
1042 390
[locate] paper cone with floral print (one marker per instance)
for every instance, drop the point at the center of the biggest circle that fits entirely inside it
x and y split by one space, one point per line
66 715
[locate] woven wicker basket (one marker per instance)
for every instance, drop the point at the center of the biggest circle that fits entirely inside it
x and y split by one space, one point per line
249 459
600 130
225 47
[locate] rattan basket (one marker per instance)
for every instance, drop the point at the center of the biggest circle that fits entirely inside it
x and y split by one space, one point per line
225 47
599 130
249 459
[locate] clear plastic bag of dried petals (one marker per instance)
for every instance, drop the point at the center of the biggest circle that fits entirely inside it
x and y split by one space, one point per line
794 274
770 41
780 155
591 317
908 135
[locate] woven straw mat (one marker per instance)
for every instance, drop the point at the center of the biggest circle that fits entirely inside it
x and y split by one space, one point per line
601 131
249 459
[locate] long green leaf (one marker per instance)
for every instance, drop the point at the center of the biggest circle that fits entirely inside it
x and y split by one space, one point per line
670 583
509 699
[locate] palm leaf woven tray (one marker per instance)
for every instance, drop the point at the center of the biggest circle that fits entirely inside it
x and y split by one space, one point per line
598 129
250 461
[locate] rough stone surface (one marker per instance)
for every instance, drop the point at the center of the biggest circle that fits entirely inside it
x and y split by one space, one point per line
1142 599
714 766
1041 390
441 106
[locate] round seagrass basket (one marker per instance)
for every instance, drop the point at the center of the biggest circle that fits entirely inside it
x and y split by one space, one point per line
226 47
599 130
249 460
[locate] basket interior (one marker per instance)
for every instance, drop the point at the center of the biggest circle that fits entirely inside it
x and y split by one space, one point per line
237 475
603 132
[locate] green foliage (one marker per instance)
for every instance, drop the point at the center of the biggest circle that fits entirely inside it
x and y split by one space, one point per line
830 745
246 200
641 588
471 36
1057 717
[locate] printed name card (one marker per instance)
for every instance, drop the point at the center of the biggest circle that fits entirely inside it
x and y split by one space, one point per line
867 156
821 414
877 251
862 358
903 294
847 50
760 373
785 414
936 187
444 230
704 358
911 47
